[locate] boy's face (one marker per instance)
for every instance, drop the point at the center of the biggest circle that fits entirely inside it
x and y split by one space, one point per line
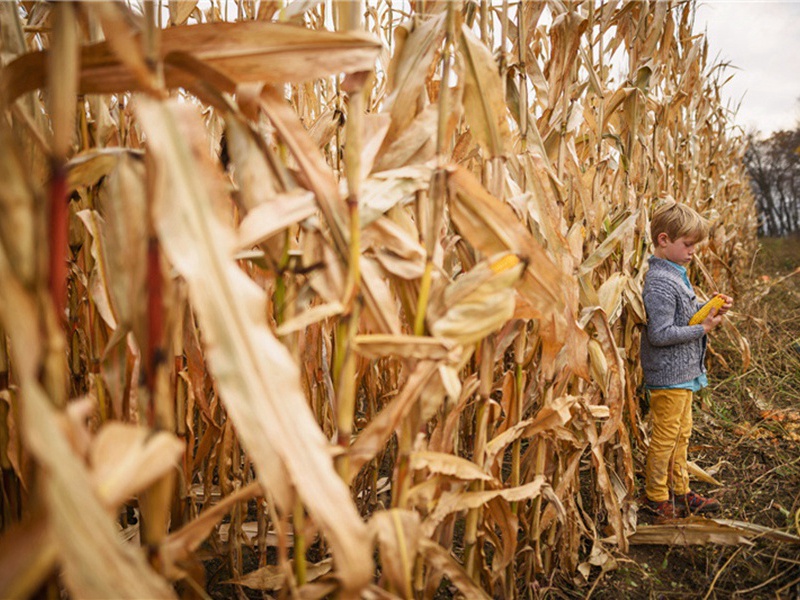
679 251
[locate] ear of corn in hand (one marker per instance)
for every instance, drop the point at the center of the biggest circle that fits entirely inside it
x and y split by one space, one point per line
716 302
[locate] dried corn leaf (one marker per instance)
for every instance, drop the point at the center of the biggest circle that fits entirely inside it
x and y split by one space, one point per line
406 346
123 203
398 535
126 459
98 278
442 561
447 464
309 317
414 144
181 10
698 473
398 252
274 577
247 51
258 175
611 293
97 564
88 167
275 215
759 531
491 227
451 502
690 532
476 304
609 245
553 414
319 178
28 555
372 439
484 105
380 300
260 383
408 69
178 546
382 191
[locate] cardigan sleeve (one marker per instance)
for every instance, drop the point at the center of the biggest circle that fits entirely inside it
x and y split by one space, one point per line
661 305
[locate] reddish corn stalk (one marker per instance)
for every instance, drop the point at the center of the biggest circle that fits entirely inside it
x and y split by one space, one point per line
58 233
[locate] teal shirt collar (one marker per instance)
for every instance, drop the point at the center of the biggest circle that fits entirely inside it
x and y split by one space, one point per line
682 271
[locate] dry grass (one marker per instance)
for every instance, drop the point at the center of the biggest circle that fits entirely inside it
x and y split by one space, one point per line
405 301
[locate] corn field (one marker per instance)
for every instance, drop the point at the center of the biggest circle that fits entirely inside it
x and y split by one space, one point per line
344 295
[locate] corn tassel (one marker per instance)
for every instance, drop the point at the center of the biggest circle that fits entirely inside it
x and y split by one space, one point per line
700 316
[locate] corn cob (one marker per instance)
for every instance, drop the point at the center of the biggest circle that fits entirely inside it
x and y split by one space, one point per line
505 263
700 316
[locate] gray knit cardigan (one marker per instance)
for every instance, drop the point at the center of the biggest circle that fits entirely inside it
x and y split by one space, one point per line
672 351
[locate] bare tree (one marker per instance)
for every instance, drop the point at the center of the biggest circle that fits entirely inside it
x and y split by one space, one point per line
774 168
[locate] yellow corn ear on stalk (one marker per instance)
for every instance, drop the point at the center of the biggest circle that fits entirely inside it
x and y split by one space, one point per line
700 316
504 263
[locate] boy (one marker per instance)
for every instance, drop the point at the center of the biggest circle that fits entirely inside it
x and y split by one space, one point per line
672 354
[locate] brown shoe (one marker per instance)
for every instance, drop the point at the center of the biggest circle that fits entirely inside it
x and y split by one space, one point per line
696 504
666 509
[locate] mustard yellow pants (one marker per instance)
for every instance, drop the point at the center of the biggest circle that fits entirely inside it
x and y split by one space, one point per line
666 469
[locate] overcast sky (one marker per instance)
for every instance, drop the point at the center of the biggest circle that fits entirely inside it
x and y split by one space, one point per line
761 38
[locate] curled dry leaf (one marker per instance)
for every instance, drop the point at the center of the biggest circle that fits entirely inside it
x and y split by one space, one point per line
274 215
491 226
98 278
408 69
382 191
126 459
476 304
398 252
96 562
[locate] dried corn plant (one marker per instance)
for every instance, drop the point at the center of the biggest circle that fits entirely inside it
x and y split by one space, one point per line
353 289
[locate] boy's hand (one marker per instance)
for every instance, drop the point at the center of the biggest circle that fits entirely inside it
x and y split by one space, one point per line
727 306
714 318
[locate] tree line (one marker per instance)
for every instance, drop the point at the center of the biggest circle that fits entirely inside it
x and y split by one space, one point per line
774 168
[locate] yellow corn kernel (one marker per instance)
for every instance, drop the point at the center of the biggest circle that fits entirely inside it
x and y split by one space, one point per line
505 263
700 316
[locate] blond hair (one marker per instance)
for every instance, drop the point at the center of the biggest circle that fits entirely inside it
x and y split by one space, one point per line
677 220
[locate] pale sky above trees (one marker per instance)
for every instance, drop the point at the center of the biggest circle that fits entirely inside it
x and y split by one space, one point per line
760 38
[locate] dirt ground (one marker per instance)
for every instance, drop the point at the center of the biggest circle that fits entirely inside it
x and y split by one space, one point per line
747 435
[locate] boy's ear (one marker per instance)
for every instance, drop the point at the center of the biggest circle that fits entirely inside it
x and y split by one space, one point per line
662 239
